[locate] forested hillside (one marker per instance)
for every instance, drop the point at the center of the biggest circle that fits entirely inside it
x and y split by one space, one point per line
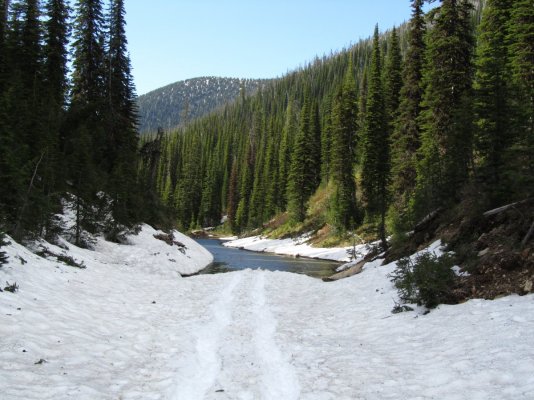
66 135
384 132
181 102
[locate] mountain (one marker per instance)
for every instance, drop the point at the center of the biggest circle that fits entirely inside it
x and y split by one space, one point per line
174 104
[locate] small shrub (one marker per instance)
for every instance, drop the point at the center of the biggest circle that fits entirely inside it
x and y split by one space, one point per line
11 287
426 281
3 255
70 261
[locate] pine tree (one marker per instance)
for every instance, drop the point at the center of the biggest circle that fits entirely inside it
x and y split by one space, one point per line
521 36
343 212
56 53
284 160
233 200
84 124
4 6
257 196
493 110
375 162
302 178
121 132
326 142
406 134
392 78
446 138
315 147
25 111
88 76
270 174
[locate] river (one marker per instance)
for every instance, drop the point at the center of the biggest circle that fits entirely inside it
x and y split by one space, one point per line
229 259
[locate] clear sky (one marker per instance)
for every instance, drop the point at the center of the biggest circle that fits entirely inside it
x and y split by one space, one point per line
173 40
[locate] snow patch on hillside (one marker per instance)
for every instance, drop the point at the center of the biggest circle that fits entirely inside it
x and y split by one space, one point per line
297 248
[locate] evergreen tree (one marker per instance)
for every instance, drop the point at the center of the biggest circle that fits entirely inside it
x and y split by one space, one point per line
85 120
315 147
521 36
233 200
392 78
122 120
56 53
257 196
270 175
493 111
326 142
284 160
24 109
342 154
406 134
446 138
4 6
88 76
375 162
302 176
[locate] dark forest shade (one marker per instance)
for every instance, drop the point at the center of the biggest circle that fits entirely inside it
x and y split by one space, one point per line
58 140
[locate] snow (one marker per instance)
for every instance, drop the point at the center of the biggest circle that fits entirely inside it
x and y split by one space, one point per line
294 247
128 327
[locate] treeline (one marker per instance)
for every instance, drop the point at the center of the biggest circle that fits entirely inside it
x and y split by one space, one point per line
66 134
395 127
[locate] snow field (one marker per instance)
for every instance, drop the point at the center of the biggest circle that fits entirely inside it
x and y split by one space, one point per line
128 327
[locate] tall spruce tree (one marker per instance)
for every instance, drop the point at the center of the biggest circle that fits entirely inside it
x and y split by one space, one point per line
375 161
233 198
315 146
446 139
88 76
270 174
84 124
326 141
392 78
405 140
4 7
302 176
343 213
284 155
56 53
56 37
121 126
492 106
521 36
26 114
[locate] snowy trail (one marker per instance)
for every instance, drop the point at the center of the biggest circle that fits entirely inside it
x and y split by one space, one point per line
236 356
199 371
280 379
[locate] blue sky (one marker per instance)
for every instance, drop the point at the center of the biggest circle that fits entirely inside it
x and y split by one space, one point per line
173 40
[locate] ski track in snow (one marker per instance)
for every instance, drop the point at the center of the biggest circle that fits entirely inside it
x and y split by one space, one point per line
280 379
199 372
235 355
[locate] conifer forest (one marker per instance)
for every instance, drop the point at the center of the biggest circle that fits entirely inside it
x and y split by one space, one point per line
371 139
415 119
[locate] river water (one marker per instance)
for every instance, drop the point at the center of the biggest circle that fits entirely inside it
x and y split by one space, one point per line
230 259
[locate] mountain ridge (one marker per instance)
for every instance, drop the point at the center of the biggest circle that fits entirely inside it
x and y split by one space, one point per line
175 104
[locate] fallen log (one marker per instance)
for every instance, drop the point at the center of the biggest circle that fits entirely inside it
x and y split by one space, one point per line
528 235
355 269
505 207
421 225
